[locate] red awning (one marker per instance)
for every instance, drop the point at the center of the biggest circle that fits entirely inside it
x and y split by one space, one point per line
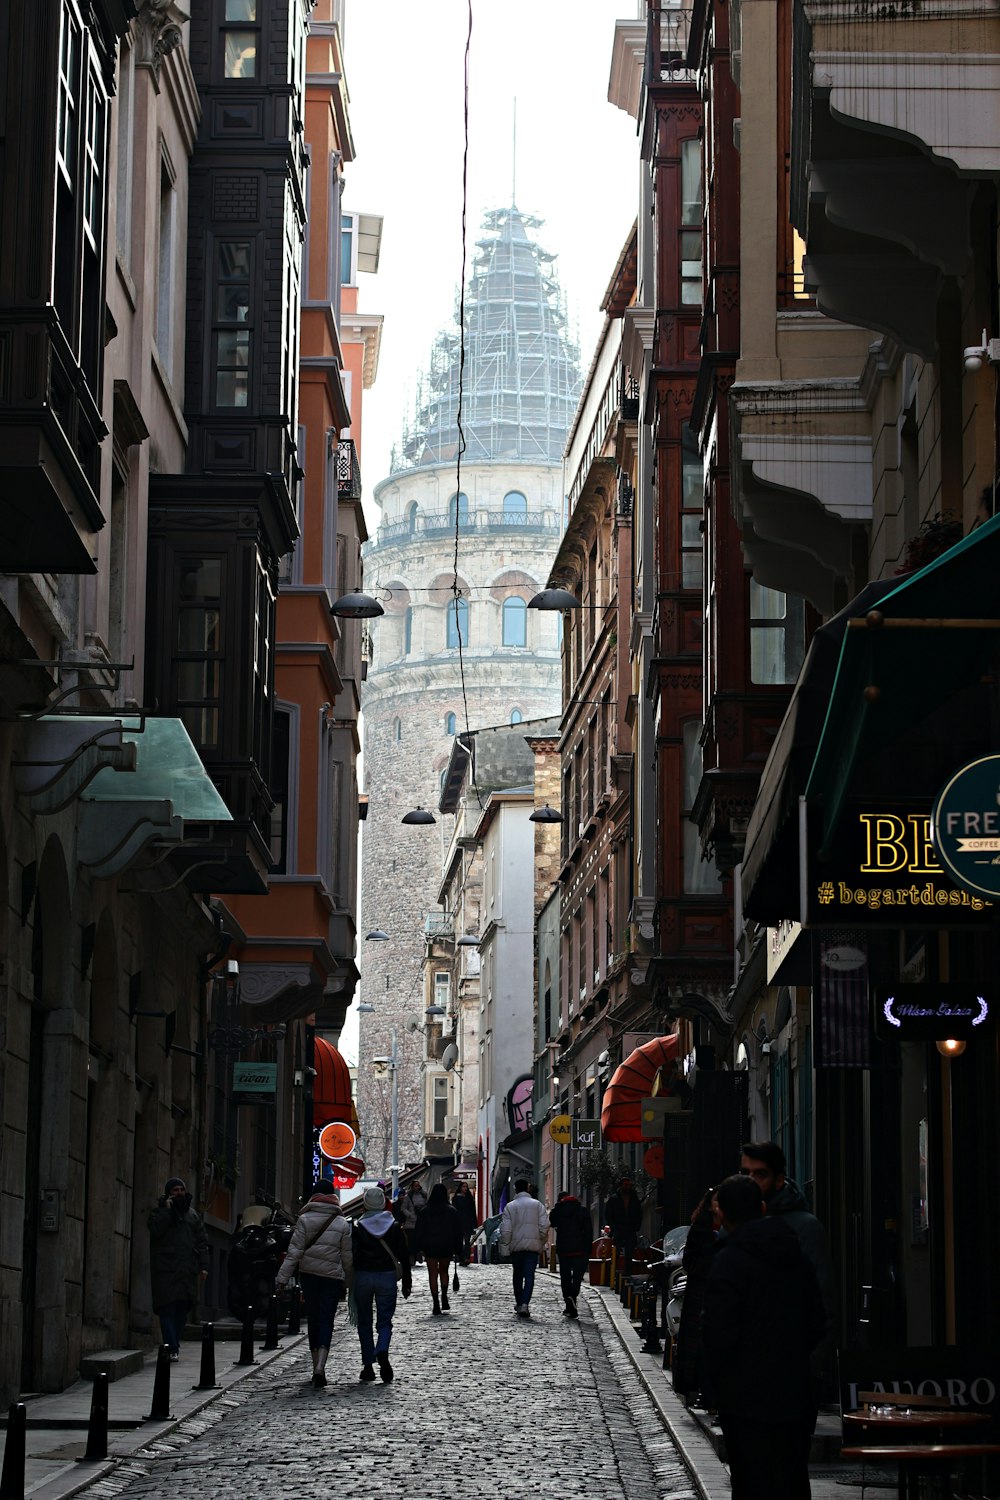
631 1083
332 1098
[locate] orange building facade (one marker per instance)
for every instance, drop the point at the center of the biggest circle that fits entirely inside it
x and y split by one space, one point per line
296 952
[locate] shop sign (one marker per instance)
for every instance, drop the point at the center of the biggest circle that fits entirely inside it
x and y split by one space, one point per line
968 1378
965 826
587 1135
883 871
932 1012
255 1083
561 1129
337 1140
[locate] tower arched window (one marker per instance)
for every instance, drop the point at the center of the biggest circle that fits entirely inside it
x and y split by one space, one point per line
450 723
515 507
515 622
459 504
457 626
397 729
411 517
408 630
516 716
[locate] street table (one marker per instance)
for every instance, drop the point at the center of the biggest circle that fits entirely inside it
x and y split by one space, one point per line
923 1443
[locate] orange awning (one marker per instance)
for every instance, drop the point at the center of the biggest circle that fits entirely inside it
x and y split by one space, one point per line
630 1084
332 1098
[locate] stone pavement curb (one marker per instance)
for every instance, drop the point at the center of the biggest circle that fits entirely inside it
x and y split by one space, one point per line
76 1476
707 1470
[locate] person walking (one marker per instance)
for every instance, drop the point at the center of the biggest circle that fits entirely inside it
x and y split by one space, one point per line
574 1237
438 1237
764 1162
762 1317
320 1250
624 1216
465 1206
524 1226
178 1260
690 1377
381 1258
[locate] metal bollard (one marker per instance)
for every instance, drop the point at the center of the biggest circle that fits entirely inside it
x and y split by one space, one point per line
206 1379
97 1428
160 1409
271 1326
12 1479
295 1311
648 1327
246 1342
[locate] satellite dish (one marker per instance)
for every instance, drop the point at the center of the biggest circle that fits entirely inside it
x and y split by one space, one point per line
412 1024
449 1057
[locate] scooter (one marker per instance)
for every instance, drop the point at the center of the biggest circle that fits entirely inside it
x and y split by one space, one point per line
258 1246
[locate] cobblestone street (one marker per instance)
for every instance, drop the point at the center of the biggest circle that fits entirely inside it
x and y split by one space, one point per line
483 1404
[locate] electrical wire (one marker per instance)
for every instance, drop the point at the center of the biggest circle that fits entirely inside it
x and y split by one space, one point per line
460 446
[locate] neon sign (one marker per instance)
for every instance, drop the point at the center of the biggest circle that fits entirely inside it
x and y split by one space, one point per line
932 1012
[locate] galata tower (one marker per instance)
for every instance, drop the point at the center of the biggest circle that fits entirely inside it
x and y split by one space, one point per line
442 584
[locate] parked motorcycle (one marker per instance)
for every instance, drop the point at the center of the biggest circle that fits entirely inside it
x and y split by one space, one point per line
259 1245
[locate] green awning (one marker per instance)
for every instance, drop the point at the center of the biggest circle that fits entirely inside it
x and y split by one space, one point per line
168 768
928 639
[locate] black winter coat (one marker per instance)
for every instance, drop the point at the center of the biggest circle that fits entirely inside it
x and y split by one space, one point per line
369 1252
438 1232
178 1253
574 1231
465 1206
763 1314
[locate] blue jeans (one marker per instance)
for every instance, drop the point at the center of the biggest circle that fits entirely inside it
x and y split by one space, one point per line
523 1263
321 1293
173 1317
376 1288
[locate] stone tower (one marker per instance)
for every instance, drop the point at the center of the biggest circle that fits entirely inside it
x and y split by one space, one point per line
455 558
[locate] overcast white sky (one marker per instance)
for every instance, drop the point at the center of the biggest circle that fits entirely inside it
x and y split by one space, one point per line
577 163
577 168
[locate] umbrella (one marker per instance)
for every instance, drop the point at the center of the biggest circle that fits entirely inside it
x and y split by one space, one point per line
630 1084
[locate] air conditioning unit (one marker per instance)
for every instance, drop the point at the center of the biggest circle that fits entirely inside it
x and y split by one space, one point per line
451 1124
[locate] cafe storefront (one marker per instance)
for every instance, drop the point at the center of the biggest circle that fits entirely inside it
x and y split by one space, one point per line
857 862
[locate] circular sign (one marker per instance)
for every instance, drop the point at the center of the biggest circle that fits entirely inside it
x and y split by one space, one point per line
561 1129
652 1161
965 826
337 1140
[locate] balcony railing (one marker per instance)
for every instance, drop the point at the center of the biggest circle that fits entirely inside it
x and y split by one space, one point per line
439 924
348 471
668 30
441 523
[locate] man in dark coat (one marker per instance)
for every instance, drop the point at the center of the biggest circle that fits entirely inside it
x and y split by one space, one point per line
574 1238
178 1260
764 1161
763 1315
624 1216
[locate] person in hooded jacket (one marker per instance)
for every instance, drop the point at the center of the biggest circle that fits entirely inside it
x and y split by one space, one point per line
178 1260
763 1315
438 1237
320 1250
574 1237
381 1256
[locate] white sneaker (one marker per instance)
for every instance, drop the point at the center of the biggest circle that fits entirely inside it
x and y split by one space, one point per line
174 1358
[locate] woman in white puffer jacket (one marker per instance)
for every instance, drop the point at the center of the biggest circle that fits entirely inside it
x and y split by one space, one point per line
320 1250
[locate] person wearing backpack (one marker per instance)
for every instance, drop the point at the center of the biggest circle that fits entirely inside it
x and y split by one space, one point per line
381 1258
321 1250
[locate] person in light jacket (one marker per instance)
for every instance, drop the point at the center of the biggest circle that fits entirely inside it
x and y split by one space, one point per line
320 1250
524 1227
